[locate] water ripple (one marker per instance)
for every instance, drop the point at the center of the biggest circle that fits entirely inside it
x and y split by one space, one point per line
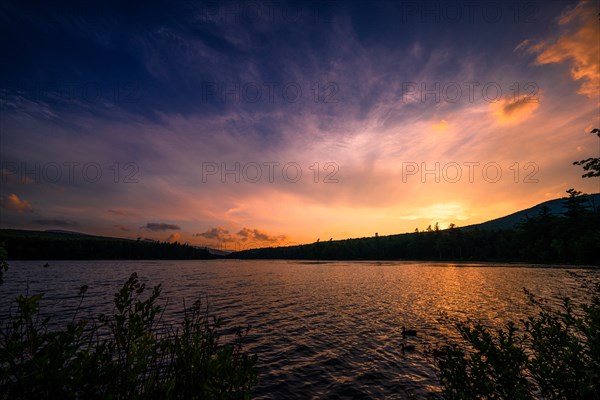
321 329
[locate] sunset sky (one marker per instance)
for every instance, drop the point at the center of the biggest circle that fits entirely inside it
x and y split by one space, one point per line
236 124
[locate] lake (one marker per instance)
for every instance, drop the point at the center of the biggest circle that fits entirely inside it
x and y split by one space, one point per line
320 329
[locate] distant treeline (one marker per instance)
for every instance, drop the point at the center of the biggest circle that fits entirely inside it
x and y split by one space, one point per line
36 245
573 238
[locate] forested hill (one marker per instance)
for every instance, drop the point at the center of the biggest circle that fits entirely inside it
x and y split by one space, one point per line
567 234
61 245
556 207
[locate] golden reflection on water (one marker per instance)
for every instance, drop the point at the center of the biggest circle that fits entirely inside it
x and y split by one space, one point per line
321 329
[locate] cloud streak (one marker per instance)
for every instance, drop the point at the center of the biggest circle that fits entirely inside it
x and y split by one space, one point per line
54 222
577 44
161 226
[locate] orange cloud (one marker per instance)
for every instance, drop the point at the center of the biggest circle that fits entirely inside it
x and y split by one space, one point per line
257 235
12 202
175 237
441 126
510 110
579 45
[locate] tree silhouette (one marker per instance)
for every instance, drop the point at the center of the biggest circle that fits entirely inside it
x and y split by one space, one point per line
592 164
574 203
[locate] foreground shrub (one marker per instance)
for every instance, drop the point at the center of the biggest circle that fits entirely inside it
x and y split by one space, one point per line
552 355
130 354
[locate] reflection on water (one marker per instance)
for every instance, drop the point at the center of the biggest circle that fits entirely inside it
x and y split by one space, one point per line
321 329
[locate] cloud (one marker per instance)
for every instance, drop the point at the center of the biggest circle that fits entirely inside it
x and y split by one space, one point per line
441 126
53 222
510 110
13 202
258 235
174 237
217 233
122 213
578 44
161 226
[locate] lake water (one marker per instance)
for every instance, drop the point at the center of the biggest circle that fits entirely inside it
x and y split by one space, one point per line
320 329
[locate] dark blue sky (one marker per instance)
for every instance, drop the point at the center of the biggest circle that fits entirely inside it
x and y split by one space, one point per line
162 57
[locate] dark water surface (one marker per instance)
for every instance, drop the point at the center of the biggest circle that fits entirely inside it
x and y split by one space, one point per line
321 329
